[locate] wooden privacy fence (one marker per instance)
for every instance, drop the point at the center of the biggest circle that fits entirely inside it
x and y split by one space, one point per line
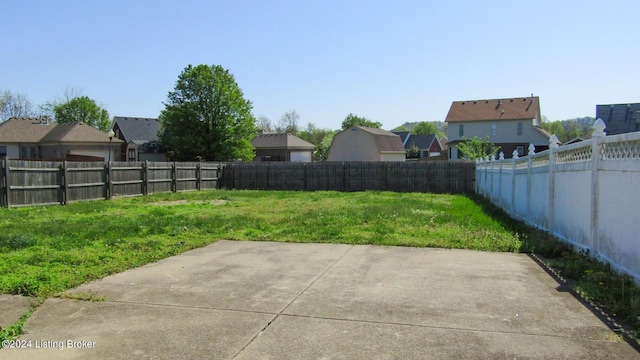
414 176
47 182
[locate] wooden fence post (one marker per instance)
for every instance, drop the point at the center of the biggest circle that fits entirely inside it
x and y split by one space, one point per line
175 176
109 181
64 183
5 181
145 177
199 176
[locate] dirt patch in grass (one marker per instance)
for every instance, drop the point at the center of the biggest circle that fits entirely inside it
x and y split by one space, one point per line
185 202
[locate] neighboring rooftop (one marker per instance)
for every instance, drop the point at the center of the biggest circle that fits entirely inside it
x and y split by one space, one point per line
76 133
619 118
386 141
525 108
137 129
25 129
280 141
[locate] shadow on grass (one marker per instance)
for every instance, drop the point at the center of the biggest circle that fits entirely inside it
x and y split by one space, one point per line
614 298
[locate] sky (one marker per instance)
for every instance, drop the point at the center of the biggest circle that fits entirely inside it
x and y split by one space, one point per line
389 61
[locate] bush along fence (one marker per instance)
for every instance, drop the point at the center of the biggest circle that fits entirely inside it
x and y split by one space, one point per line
410 176
45 182
584 193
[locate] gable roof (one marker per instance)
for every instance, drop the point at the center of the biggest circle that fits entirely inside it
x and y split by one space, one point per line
525 108
137 129
386 141
76 133
25 130
280 141
423 141
619 118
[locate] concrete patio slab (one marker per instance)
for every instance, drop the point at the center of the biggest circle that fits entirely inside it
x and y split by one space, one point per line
261 300
13 307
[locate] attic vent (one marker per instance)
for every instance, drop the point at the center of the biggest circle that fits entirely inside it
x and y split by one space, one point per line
463 103
511 100
486 101
475 102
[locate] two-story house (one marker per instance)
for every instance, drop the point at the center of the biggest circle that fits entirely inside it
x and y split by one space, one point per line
511 123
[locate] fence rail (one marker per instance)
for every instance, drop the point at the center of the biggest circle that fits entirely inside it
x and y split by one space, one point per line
584 193
25 183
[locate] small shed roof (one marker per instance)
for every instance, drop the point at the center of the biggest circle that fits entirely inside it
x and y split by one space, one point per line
280 141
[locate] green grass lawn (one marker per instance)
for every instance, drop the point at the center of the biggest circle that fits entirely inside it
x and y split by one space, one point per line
46 250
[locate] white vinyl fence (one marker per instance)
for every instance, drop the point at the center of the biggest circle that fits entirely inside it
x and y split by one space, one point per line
587 194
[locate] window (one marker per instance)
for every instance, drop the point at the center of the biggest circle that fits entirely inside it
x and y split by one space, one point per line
460 130
520 150
132 155
33 152
24 152
3 151
519 129
494 129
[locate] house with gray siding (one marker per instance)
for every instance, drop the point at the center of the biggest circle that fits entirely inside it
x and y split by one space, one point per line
511 123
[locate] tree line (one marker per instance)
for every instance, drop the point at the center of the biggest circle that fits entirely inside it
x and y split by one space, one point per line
206 116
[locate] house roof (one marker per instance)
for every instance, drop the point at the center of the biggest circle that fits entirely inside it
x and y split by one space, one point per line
24 130
76 133
280 141
386 141
138 129
620 118
421 141
524 108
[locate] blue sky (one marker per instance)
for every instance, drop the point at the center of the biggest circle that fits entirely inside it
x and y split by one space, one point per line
389 61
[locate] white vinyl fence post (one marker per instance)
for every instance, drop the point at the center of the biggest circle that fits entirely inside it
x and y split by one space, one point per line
553 145
597 136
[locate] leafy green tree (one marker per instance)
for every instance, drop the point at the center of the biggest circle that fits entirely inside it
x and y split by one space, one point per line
206 115
353 120
475 148
82 109
322 150
401 128
566 130
413 152
424 127
317 137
